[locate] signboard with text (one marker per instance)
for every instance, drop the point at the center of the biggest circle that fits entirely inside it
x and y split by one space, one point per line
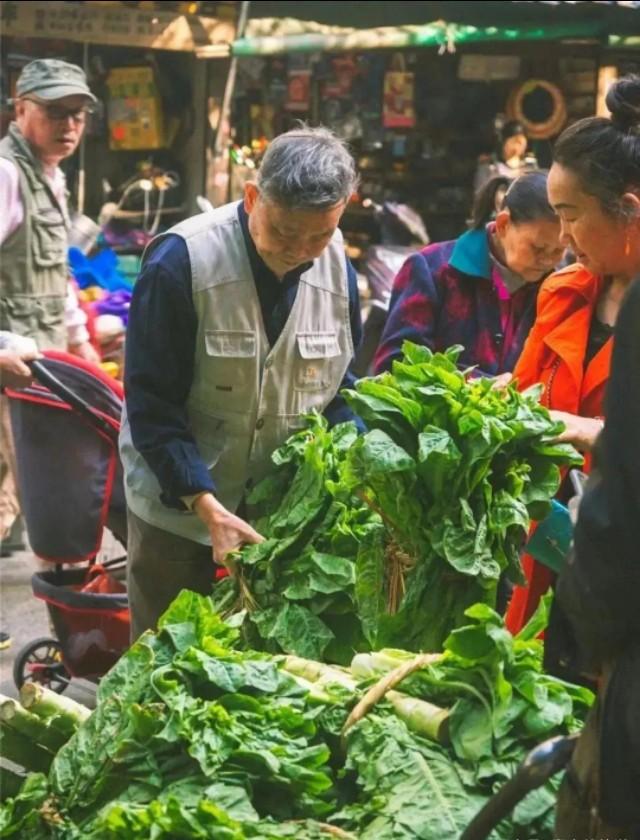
115 25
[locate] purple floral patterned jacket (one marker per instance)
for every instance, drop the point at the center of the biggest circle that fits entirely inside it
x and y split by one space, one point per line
452 293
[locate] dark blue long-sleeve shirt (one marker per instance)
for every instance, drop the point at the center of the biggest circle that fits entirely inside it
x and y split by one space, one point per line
160 351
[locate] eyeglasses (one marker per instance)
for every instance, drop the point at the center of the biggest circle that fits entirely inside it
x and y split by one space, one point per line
56 113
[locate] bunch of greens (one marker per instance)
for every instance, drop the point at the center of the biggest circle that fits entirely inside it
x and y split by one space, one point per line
187 730
192 738
385 539
500 700
301 587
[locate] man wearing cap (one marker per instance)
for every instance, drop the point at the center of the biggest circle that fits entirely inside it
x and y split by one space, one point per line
36 298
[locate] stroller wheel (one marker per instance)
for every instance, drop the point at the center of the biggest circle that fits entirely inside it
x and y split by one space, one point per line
41 661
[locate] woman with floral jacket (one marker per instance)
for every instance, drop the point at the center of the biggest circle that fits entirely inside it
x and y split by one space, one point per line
479 290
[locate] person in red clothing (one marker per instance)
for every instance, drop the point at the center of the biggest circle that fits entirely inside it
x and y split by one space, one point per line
570 345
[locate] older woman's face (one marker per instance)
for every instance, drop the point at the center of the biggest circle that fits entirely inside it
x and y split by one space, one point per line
597 239
531 249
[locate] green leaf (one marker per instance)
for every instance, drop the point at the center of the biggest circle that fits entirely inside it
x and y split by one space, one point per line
370 584
377 453
232 674
538 621
410 788
471 730
438 457
321 573
295 628
199 611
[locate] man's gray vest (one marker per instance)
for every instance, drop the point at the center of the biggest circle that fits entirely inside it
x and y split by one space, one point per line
246 397
33 259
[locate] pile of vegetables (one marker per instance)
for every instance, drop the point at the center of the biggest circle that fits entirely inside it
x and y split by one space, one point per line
228 722
385 539
193 737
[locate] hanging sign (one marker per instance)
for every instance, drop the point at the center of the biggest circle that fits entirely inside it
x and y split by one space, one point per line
397 103
299 90
114 24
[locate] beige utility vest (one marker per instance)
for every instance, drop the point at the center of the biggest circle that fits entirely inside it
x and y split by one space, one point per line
247 397
33 259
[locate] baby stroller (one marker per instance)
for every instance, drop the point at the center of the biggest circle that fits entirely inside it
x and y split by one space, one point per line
65 430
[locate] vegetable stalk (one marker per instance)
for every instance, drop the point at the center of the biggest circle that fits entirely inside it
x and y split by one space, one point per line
421 717
34 728
47 704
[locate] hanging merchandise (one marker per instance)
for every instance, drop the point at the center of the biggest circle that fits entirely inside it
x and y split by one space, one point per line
540 107
299 90
345 69
134 109
262 122
398 99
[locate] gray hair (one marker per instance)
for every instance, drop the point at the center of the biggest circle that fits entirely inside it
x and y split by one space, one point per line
307 168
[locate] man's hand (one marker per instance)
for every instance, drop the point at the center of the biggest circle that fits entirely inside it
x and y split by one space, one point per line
582 432
228 531
14 373
85 351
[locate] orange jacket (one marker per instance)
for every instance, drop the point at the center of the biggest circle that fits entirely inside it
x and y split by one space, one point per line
555 349
554 355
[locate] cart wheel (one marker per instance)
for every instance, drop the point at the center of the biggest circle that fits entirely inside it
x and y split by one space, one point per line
41 662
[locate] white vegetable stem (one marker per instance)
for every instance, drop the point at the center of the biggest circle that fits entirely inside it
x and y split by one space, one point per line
34 728
47 704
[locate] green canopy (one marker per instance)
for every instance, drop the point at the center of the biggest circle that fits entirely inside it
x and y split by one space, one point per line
284 36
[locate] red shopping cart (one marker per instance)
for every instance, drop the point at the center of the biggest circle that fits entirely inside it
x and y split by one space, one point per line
65 429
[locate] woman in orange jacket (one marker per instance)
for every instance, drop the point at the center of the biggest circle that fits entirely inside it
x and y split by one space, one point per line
569 351
570 345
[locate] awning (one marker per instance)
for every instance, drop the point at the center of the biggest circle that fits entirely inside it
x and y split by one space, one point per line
620 17
277 36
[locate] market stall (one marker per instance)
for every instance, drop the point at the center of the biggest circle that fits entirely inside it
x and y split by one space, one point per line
419 102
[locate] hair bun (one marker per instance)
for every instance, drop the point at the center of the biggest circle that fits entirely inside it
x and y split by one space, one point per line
623 100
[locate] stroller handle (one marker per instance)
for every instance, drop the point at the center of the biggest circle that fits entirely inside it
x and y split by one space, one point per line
44 376
543 762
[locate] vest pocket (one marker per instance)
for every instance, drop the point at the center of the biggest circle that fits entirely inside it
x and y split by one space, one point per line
230 362
314 365
236 344
49 238
41 318
321 345
51 311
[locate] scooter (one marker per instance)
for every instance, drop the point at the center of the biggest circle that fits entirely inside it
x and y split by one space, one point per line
402 232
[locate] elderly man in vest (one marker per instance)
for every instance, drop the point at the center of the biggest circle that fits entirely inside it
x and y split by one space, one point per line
242 320
36 299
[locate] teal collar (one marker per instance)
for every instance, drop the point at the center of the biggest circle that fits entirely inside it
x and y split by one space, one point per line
471 255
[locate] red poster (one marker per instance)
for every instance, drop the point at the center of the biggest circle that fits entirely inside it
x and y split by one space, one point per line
397 104
299 90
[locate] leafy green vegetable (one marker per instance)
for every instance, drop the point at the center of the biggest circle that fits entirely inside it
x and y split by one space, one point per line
385 539
195 738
